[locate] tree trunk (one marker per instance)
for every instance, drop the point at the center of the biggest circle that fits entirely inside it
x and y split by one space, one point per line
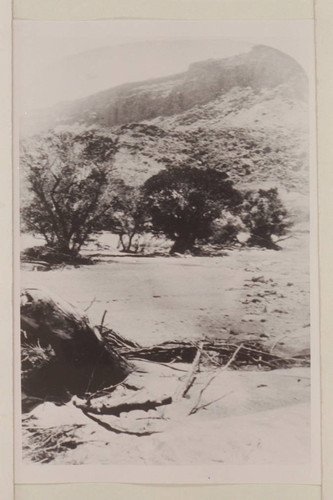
121 241
129 244
62 354
182 244
64 247
265 242
126 247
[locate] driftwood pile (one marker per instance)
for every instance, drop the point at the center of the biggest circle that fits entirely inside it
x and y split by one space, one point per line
111 379
215 352
44 446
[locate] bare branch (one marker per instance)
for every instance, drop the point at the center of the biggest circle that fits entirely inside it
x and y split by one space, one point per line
89 306
202 407
197 406
184 386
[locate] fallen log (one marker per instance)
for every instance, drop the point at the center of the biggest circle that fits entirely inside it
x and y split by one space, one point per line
132 401
63 355
252 354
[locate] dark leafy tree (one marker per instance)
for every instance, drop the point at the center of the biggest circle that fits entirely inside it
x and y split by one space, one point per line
184 201
67 184
226 228
264 215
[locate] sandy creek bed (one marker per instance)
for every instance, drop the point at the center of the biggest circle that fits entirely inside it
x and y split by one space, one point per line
263 417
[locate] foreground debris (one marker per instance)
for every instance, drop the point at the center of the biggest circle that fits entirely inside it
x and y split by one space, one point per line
215 351
61 354
43 446
123 387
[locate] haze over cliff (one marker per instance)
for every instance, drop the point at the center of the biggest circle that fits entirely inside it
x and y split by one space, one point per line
246 115
261 68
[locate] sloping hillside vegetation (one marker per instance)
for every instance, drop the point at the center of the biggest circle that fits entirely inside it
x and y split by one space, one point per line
245 116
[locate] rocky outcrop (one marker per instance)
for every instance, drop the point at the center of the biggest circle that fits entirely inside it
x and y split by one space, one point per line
261 68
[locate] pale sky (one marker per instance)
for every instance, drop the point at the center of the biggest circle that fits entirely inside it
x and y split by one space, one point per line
64 61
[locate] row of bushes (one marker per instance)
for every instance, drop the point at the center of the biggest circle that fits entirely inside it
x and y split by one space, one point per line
72 193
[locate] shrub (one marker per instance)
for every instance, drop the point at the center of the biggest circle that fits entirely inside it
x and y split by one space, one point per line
184 201
265 216
67 176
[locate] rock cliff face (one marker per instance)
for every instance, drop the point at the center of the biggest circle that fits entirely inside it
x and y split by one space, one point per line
246 115
261 68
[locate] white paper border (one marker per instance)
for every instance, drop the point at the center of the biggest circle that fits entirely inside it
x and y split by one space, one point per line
300 30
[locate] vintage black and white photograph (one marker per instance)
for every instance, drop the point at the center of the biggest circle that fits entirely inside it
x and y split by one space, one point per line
166 246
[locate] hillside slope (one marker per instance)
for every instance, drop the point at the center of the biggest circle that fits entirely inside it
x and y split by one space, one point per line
246 115
230 134
262 67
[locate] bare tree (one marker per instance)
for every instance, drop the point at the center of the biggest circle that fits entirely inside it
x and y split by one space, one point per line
67 176
129 215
